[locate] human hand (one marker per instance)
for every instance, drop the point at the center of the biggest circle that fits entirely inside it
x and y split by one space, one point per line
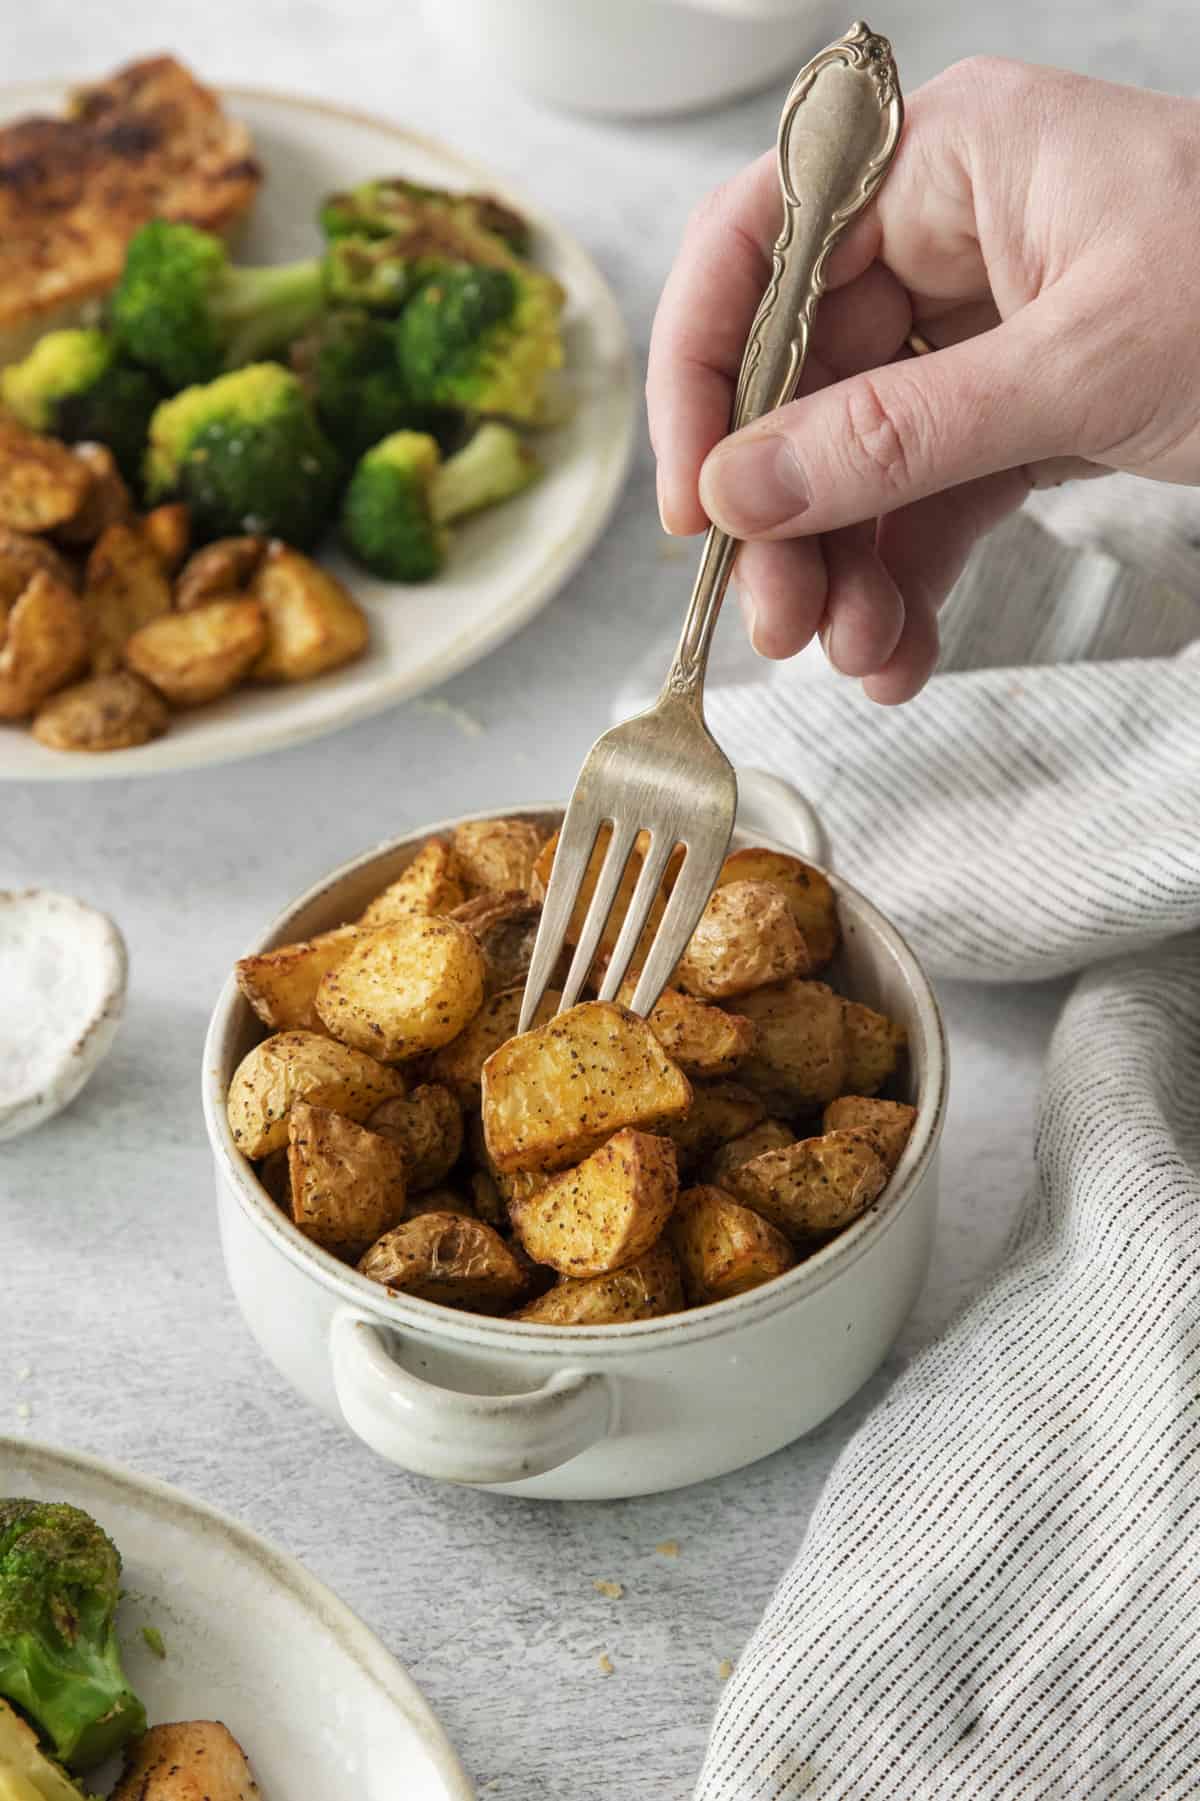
1038 228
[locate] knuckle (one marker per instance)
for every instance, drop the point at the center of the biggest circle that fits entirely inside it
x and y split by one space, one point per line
886 437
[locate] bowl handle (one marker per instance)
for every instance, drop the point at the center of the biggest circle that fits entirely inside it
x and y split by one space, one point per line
768 804
458 1437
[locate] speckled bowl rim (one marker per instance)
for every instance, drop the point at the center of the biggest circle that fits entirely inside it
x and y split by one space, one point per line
833 1262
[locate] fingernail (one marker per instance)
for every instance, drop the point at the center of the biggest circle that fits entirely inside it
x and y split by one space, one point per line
749 607
828 635
754 483
658 488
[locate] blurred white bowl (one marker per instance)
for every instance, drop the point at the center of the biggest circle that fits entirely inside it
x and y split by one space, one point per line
636 58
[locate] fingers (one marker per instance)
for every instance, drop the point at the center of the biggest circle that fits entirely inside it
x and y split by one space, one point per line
886 438
783 590
912 662
925 547
865 612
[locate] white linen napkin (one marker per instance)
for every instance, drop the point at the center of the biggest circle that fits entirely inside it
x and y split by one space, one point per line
998 1593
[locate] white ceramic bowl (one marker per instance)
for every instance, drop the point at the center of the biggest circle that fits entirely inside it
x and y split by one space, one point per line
585 1414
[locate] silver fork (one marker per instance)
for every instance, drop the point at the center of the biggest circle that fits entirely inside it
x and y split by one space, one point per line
662 773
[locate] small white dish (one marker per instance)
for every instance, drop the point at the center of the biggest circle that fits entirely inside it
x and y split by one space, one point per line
63 972
505 566
321 1709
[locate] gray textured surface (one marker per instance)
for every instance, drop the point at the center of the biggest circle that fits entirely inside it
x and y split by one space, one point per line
114 1300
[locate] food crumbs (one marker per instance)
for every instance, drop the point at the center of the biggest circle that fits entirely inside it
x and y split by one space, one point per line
668 1548
605 1663
613 1590
724 1669
154 1639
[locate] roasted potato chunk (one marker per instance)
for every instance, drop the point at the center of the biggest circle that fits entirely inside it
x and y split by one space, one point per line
873 1047
107 712
541 881
719 1111
809 895
746 939
21 558
45 644
799 1061
887 1124
301 1066
404 989
817 1185
347 1184
42 482
505 927
551 1096
497 856
223 568
448 1258
168 531
768 1135
313 624
124 588
198 656
459 1064
108 500
441 1200
430 884
275 1176
199 1760
723 1248
428 1126
604 1214
643 1290
487 1199
703 1040
281 985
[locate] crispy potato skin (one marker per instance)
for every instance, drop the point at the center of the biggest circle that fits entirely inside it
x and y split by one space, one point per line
887 1124
809 895
45 644
441 1200
746 939
108 502
799 1061
431 884
497 856
606 1213
281 985
541 881
197 1760
814 1186
505 927
768 1135
168 531
459 1064
703 1040
487 1199
404 989
301 1066
719 1111
42 483
723 1248
313 623
124 588
196 657
346 1184
428 1126
448 1258
224 567
21 557
646 1289
873 1047
107 712
551 1096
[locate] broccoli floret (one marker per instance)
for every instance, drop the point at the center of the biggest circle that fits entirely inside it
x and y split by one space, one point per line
374 273
402 496
383 209
74 385
247 455
350 371
185 313
59 1658
482 340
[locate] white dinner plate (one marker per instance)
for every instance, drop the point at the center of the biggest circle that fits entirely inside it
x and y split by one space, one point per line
504 565
321 1709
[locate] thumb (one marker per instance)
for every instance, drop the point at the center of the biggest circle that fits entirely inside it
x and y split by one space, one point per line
896 434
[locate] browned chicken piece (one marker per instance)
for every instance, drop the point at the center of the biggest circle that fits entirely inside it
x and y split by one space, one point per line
151 142
199 1760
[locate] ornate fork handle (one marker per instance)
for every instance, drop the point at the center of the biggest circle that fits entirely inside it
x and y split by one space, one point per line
837 137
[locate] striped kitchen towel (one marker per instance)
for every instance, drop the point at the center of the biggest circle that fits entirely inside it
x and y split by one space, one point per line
999 1593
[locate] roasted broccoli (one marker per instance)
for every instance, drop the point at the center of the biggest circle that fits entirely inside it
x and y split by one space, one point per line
402 496
59 1659
183 311
372 273
350 371
389 208
247 455
74 385
482 340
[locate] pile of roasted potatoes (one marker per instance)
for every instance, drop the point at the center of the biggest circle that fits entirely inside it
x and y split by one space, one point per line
601 1167
108 626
